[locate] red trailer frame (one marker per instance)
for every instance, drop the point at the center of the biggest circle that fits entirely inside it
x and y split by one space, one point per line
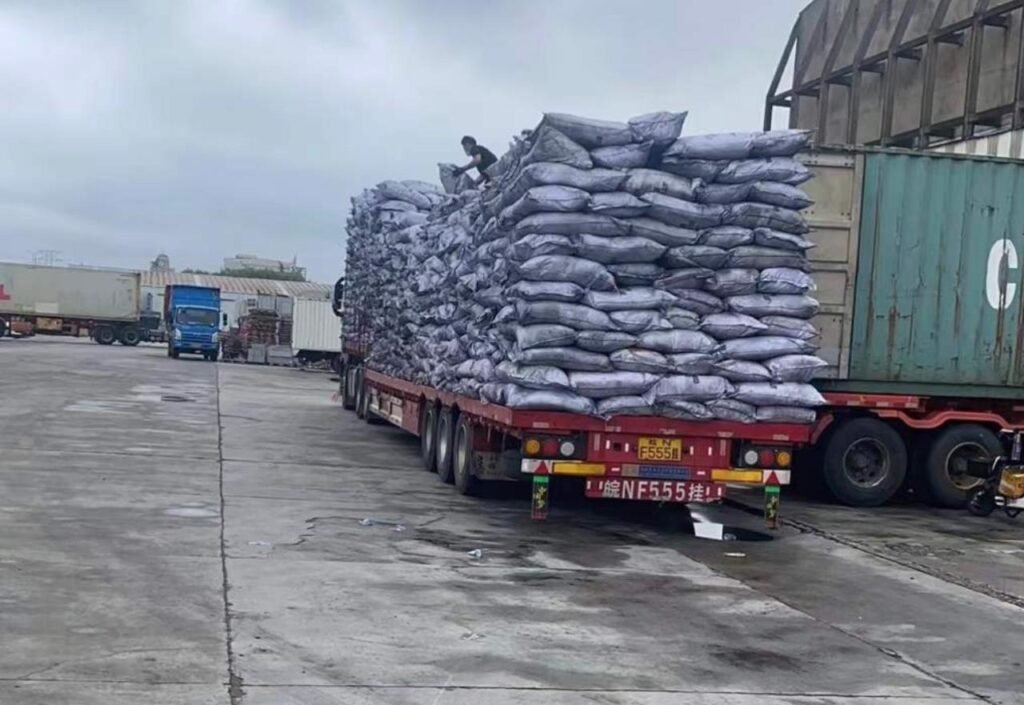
648 458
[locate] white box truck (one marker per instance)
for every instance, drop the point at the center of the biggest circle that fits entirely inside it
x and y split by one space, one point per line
316 332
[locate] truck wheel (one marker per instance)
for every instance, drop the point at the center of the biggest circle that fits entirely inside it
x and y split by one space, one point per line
130 336
946 476
3 328
443 444
428 437
104 335
212 355
465 482
348 388
865 462
360 393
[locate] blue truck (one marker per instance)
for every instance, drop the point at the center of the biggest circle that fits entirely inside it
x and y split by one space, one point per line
192 316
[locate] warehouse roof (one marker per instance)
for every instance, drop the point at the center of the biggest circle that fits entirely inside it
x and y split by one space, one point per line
239 285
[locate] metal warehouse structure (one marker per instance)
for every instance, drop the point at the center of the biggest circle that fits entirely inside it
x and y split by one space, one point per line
235 291
908 73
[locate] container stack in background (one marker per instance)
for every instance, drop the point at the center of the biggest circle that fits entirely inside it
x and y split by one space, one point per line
610 268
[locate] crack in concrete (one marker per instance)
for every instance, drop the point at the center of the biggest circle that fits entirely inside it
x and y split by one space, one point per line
235 683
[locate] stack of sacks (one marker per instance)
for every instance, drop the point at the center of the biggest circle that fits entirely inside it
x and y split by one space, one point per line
610 268
375 294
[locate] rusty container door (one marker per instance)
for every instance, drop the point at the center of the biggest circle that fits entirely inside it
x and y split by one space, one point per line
937 304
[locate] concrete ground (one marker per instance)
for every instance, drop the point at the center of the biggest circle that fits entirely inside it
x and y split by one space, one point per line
181 532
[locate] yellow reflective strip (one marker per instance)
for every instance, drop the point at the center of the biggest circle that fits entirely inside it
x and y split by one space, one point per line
578 469
753 476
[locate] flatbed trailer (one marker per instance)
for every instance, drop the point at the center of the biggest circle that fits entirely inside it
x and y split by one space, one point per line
648 458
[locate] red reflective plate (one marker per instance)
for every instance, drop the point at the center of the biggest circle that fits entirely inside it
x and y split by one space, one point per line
653 490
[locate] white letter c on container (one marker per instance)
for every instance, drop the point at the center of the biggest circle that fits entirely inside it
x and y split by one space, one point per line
994 293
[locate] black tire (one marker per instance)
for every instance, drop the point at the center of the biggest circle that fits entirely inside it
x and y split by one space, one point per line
360 395
462 461
944 473
130 336
175 353
981 502
443 443
367 415
105 335
348 388
3 328
212 355
428 438
865 462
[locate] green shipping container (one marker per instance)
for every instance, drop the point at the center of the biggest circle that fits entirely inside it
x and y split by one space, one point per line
919 270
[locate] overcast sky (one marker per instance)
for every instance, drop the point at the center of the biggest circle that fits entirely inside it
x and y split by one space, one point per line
205 128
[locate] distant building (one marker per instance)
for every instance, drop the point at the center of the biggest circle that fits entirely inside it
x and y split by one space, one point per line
252 262
162 263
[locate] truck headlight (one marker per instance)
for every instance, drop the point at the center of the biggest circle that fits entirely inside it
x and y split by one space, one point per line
215 338
177 334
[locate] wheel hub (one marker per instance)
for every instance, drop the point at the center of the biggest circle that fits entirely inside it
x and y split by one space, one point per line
866 462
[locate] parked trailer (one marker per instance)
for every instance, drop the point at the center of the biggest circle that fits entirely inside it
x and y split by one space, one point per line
101 303
316 331
917 267
657 459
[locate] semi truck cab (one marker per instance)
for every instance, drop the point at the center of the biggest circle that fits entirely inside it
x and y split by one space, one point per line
192 315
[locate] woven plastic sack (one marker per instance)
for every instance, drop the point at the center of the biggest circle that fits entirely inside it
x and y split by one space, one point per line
789 327
779 143
633 299
549 400
638 360
602 385
397 206
786 414
546 199
694 256
539 244
781 195
452 182
548 173
732 410
549 268
734 145
754 257
544 335
566 359
589 132
782 169
732 282
531 377
555 147
604 341
677 280
727 236
639 321
570 315
766 237
619 250
566 292
661 128
689 388
742 371
624 406
772 305
707 170
782 280
571 224
482 370
618 203
684 214
784 394
795 368
626 156
764 347
700 302
685 410
641 181
667 235
682 319
762 215
677 341
722 194
691 363
635 273
726 326
403 191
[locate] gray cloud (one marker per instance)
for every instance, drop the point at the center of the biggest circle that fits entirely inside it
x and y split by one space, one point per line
208 128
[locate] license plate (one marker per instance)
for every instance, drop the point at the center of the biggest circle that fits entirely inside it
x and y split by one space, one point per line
660 449
653 490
